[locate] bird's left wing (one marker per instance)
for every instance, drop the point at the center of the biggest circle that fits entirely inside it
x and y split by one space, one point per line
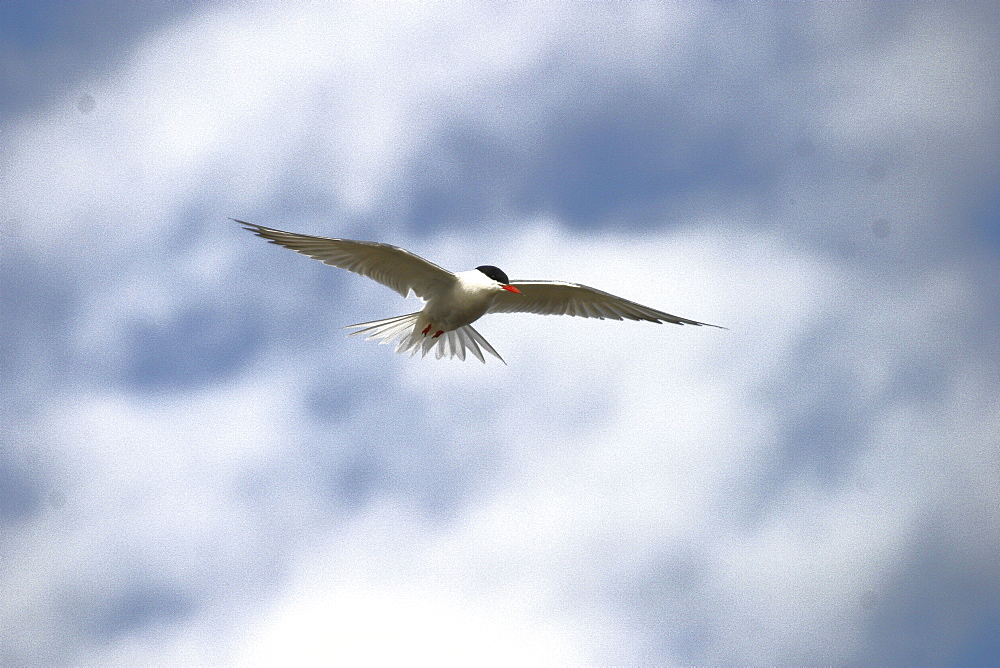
558 298
391 266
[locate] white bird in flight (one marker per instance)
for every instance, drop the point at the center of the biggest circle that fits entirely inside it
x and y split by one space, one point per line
454 300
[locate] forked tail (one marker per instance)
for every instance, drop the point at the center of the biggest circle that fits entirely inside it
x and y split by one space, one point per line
402 330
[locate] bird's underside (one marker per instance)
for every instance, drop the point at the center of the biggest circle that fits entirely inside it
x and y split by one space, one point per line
403 331
457 299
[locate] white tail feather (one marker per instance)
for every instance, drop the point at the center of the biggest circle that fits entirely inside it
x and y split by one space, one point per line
402 330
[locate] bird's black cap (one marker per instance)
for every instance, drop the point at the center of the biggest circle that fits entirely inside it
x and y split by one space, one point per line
494 273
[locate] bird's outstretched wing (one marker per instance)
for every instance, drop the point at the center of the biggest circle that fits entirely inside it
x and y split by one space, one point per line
559 298
391 266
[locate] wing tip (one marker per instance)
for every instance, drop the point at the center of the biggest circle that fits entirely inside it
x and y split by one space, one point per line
685 321
706 324
250 227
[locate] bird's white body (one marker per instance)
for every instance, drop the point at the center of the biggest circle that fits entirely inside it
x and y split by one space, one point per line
461 303
453 301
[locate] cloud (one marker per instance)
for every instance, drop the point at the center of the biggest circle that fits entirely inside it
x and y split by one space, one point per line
199 468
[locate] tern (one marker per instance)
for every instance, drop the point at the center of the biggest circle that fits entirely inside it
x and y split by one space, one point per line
453 301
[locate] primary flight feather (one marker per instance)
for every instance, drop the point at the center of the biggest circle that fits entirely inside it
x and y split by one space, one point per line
453 301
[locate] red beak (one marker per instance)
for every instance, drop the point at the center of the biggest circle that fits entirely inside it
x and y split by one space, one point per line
511 288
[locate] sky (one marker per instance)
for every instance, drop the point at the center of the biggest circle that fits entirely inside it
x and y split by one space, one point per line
198 467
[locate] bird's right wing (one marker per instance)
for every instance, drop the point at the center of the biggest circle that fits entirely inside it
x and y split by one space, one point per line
559 298
391 266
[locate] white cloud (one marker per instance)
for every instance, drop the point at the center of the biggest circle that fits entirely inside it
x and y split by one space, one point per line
381 593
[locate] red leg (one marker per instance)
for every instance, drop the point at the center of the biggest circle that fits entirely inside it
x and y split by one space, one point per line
426 329
439 333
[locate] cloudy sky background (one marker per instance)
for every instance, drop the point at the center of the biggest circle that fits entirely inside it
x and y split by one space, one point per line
196 466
